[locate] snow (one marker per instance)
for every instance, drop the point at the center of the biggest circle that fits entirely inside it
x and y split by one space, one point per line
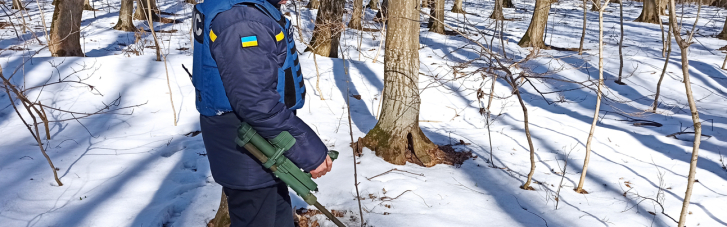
135 168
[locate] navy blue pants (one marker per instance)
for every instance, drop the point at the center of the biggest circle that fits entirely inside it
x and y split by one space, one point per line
264 207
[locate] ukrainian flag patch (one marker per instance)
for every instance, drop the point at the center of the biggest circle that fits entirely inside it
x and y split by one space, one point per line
249 41
280 36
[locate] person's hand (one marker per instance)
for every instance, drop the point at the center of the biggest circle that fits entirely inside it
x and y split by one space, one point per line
322 169
282 2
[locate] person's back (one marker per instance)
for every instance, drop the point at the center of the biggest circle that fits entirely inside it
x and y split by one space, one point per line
246 69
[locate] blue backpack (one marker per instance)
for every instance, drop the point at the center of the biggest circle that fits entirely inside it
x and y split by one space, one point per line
211 98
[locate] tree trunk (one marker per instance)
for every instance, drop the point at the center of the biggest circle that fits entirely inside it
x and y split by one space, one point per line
222 218
534 35
313 4
621 43
327 33
650 12
684 47
65 30
437 12
582 180
373 5
383 13
357 16
457 7
583 33
126 22
497 12
663 72
87 5
723 34
509 4
596 5
17 4
720 3
142 8
526 186
397 137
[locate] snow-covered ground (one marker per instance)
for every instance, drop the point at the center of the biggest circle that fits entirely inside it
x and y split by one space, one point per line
135 168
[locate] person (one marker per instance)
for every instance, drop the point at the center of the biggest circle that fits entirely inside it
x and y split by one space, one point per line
246 68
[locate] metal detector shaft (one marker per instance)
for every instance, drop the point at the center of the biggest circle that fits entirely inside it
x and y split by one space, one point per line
270 153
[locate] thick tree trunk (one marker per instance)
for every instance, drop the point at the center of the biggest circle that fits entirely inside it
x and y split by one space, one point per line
142 8
509 4
313 4
457 7
65 30
437 12
723 34
497 12
357 16
17 4
126 22
720 3
534 35
222 218
373 4
397 137
87 5
650 12
327 33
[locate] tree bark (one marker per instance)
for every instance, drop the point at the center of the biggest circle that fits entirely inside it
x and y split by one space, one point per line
17 4
437 12
663 72
457 7
65 30
329 25
357 15
87 5
723 34
313 4
142 7
650 12
126 22
596 5
684 47
509 4
497 12
583 33
383 13
526 186
397 137
534 35
222 218
373 5
621 43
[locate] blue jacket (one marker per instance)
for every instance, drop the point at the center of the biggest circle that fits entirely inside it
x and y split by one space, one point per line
250 73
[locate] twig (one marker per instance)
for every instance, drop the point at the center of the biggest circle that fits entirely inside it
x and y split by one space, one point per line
350 131
394 169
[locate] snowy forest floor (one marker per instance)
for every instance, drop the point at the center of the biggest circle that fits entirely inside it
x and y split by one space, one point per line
135 168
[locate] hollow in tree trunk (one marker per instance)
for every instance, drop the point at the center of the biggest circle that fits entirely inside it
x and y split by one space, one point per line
65 30
457 7
397 137
313 4
327 33
509 4
373 5
534 35
723 34
437 13
497 12
357 15
126 22
17 4
650 12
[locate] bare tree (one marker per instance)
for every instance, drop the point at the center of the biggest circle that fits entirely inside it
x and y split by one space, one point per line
684 47
723 34
373 5
457 7
437 11
383 12
126 22
508 4
397 137
65 30
534 35
583 33
142 9
357 15
621 44
663 72
329 25
87 5
313 4
497 12
582 180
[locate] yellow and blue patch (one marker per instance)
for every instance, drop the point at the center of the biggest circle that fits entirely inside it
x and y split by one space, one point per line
249 41
280 36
